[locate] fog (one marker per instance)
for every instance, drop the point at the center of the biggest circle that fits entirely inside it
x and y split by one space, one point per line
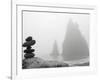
45 28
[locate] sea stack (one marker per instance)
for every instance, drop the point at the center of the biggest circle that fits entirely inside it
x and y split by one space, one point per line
75 46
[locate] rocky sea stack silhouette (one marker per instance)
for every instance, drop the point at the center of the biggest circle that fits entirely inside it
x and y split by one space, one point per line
74 46
55 52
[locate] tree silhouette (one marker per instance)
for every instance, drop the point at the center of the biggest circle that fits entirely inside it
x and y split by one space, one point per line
55 52
74 46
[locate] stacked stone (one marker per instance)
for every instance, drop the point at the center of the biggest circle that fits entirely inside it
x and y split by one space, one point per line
29 51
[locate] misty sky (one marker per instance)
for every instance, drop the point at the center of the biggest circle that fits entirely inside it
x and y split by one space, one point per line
45 28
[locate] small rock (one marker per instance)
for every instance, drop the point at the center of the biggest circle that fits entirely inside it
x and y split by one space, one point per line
29 47
29 55
29 43
29 50
29 38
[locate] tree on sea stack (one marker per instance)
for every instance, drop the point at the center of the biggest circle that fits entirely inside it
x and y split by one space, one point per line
55 52
74 46
29 51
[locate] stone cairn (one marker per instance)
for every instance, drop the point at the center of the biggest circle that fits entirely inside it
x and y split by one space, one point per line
29 51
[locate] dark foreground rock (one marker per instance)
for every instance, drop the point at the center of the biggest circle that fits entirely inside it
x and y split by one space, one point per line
40 63
82 64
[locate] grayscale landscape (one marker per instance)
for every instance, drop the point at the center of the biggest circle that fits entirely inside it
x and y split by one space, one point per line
55 40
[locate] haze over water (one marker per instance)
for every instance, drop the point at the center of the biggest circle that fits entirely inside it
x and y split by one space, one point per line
45 28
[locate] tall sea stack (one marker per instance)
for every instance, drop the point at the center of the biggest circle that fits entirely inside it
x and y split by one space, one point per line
74 46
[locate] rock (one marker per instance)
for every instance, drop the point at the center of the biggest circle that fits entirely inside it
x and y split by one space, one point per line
29 55
29 43
34 63
29 38
29 50
40 63
57 64
29 47
82 64
75 46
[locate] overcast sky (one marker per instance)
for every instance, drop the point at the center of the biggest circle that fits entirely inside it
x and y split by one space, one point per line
45 28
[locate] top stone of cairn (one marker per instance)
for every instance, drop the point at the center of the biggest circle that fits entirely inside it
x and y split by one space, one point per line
29 42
